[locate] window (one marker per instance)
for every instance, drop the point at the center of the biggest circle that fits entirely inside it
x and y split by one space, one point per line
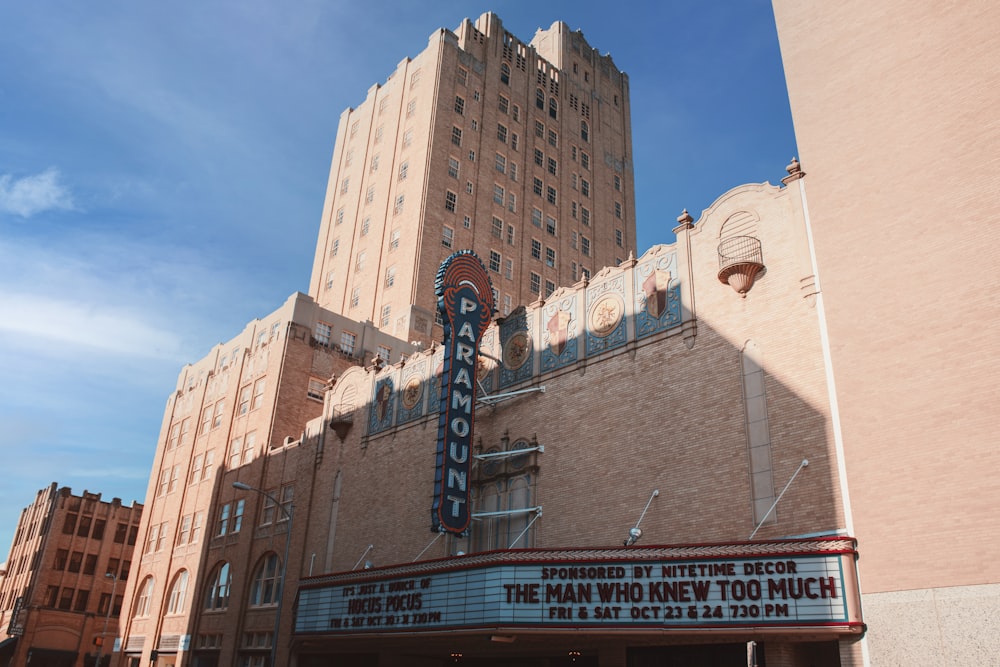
411 108
459 106
494 261
383 352
618 182
539 129
330 278
75 561
175 474
366 225
335 248
378 134
447 236
347 340
184 534
536 249
355 297
472 156
550 287
322 334
217 596
164 480
66 598
535 283
222 524
386 315
359 264
456 136
585 245
539 157
553 138
501 163
584 130
62 555
403 170
537 187
286 495
510 234
550 225
573 244
505 73
550 257
175 432
340 216
196 468
540 98
344 184
394 239
390 276
453 167
370 194
619 238
468 187
503 104
618 209
550 194
462 76
145 597
585 215
508 269
316 389
536 217
552 164
265 589
513 171
516 113
467 222
507 304
120 533
90 564
502 133
258 393
497 229
450 200
585 160
206 419
175 603
498 194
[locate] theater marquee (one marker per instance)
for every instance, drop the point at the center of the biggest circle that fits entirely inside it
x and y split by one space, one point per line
781 585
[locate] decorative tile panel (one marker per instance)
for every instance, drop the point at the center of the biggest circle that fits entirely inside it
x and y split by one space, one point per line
657 293
560 331
518 348
606 321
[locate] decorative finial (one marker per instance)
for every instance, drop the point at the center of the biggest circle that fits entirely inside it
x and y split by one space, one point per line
794 170
685 218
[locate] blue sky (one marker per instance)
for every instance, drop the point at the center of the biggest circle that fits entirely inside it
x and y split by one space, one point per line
163 167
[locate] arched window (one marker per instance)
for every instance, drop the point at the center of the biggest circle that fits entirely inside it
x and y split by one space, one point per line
143 600
540 99
505 73
266 589
553 107
584 130
178 592
217 594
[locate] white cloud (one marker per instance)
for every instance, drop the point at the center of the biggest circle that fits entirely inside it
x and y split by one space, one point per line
34 194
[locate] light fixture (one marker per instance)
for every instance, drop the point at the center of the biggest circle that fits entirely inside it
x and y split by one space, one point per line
635 532
503 639
367 563
573 655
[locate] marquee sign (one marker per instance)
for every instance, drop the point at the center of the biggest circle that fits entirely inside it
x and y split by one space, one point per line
465 300
764 590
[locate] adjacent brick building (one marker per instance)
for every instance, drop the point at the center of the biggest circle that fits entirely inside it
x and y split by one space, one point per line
66 574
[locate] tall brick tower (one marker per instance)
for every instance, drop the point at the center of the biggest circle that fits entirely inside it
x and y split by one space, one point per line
520 152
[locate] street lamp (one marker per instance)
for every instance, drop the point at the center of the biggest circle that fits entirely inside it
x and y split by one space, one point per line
284 562
107 616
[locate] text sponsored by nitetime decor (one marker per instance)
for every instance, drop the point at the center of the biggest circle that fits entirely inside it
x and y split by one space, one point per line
782 591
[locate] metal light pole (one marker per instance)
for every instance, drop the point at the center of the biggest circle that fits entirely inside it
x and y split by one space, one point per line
107 616
284 562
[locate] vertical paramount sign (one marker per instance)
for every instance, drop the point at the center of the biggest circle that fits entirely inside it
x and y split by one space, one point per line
465 299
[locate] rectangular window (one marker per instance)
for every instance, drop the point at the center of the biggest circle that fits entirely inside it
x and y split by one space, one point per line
550 257
223 522
536 249
336 248
235 452
184 535
340 216
411 108
66 598
394 239
494 261
236 521
383 352
574 210
513 171
390 276
618 209
539 129
553 138
355 297
550 195
552 164
618 182
467 222
456 136
316 389
585 160
453 167
75 561
497 229
539 157
513 141
450 200
459 106
347 341
370 194
537 186
322 334
501 133
501 163
366 225
585 215
498 194
536 217
407 138
258 394
397 206
584 187
206 419
468 187
508 269
510 234
573 243
503 104
516 113
535 284
344 184
472 156
175 432
447 236
585 245
507 304
403 170
550 287
619 238
550 225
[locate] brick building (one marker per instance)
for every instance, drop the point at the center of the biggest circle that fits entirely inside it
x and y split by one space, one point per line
66 575
483 142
